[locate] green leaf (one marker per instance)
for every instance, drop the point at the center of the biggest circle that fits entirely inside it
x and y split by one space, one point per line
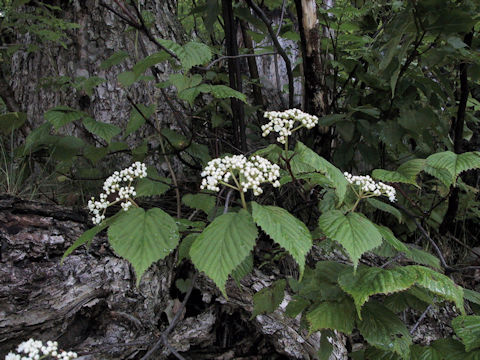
286 230
184 247
440 285
472 296
37 136
202 202
468 330
268 299
190 54
422 257
66 147
147 187
143 237
103 130
296 306
453 163
383 329
370 281
243 269
115 59
380 205
151 60
388 236
406 173
95 154
127 78
332 315
317 163
12 121
223 92
353 231
136 119
223 245
62 115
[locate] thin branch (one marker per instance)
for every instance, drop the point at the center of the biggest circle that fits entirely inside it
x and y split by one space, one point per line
236 57
420 319
163 338
279 48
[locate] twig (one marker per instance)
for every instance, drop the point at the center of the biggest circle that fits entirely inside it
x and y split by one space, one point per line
227 201
280 50
236 57
420 319
163 338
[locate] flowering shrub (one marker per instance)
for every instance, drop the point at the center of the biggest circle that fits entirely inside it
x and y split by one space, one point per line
283 123
36 350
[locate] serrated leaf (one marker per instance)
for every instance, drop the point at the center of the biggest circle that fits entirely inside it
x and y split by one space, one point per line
224 92
318 163
62 115
184 247
332 315
370 281
95 154
268 299
472 296
380 205
440 285
353 231
202 202
388 236
243 269
12 121
406 173
223 245
147 187
103 130
467 328
296 306
115 59
136 119
422 257
383 329
326 348
127 78
149 61
453 163
286 230
143 237
190 54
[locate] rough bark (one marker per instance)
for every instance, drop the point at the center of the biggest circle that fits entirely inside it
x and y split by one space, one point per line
90 302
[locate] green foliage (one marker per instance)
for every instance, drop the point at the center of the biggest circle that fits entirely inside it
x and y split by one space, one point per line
202 202
285 230
268 299
468 330
353 231
334 315
143 237
223 245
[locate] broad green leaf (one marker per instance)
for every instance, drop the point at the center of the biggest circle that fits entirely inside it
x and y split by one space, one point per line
453 163
127 78
223 92
190 54
103 130
404 300
383 329
353 231
451 349
66 147
370 281
143 237
202 202
12 121
151 60
318 163
388 236
286 230
380 205
422 257
95 154
37 136
115 59
296 306
184 247
223 245
326 348
472 296
468 330
243 269
182 82
62 115
268 299
406 173
440 285
332 315
147 187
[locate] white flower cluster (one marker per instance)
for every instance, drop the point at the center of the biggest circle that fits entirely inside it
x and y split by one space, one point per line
113 186
35 350
283 122
252 172
369 186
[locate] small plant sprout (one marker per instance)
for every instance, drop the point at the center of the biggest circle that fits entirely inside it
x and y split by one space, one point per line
365 187
283 123
245 174
119 185
36 350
